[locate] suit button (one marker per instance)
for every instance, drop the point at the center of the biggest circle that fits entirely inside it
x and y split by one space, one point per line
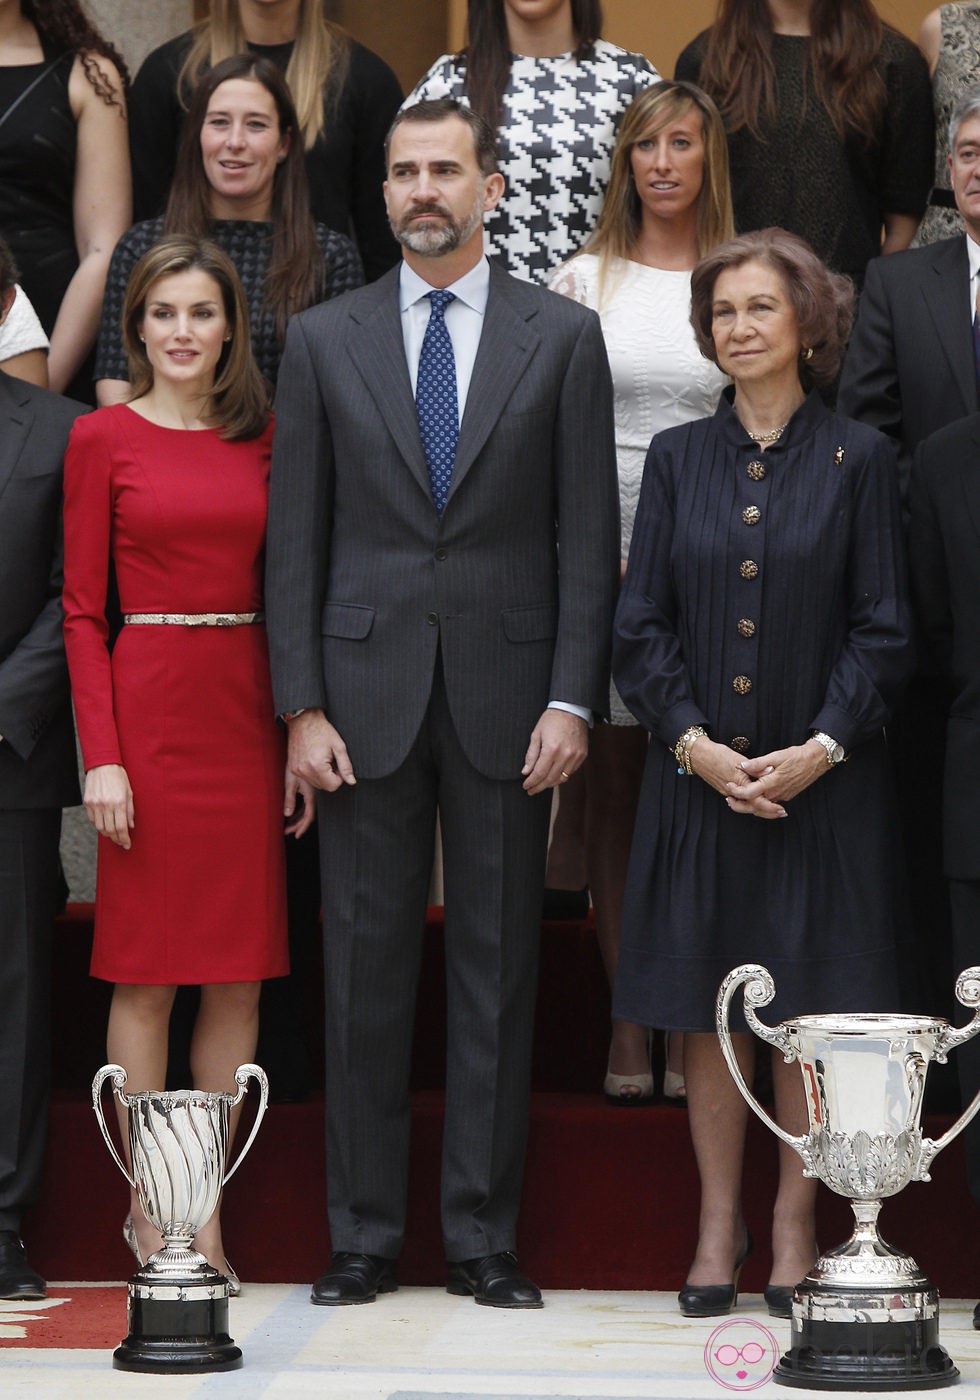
751 515
433 619
746 627
742 685
741 743
756 471
442 554
748 569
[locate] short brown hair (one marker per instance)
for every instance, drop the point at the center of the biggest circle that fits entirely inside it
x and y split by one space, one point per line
239 402
440 109
823 300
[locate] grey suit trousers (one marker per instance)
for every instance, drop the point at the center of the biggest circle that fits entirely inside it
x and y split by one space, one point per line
377 842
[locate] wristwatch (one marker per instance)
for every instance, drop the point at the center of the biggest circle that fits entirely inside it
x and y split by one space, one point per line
835 751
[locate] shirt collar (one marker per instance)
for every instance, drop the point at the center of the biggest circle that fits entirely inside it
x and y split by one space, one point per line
473 287
973 253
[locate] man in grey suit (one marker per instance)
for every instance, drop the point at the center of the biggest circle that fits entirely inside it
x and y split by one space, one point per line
37 778
439 617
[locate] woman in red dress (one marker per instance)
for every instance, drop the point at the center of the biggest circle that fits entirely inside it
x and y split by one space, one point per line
184 763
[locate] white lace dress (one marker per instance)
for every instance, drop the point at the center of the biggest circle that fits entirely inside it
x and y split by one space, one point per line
659 375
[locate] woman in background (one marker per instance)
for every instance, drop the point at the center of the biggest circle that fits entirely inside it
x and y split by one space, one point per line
345 95
950 40
64 172
555 91
184 763
668 202
240 182
829 118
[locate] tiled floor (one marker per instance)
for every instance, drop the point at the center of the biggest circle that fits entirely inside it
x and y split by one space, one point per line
420 1342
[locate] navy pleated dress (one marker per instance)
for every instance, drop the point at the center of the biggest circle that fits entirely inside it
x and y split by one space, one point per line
765 597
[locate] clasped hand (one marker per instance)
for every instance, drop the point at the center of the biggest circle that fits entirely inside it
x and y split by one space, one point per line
758 787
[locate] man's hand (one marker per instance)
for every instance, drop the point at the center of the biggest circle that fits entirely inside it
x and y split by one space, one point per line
303 819
559 743
317 753
109 803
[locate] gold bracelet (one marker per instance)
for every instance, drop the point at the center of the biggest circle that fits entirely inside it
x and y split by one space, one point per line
684 745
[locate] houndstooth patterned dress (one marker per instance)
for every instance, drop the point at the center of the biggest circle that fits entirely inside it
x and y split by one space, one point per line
559 124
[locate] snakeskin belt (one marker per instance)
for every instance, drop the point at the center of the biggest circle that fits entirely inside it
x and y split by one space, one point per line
213 619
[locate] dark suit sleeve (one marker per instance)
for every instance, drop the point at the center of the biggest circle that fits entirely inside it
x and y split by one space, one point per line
870 388
587 494
877 656
297 555
34 676
927 560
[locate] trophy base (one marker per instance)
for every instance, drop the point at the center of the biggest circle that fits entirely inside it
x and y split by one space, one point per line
177 1327
863 1339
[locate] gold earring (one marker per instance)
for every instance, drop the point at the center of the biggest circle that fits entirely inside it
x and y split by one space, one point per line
807 352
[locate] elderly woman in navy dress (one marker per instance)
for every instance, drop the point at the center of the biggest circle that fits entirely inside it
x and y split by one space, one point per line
762 637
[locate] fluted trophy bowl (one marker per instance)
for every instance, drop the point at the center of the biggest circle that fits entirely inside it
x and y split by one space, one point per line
178 1146
864 1078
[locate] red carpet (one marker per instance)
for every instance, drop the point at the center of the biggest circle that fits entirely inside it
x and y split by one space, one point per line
610 1198
86 1318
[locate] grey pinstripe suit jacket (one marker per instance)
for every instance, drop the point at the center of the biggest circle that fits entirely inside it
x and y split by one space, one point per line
516 579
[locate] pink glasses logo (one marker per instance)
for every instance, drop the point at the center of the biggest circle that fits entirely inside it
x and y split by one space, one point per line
741 1354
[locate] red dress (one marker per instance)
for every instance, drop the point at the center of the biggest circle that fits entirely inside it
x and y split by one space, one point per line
188 711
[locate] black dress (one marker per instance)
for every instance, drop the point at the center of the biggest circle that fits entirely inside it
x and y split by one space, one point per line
249 245
765 597
37 182
801 177
345 165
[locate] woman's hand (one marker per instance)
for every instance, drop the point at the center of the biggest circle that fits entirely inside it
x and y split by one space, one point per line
774 778
304 817
717 764
109 803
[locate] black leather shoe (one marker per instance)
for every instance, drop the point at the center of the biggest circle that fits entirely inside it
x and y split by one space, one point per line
495 1281
778 1300
713 1299
354 1278
976 1318
17 1278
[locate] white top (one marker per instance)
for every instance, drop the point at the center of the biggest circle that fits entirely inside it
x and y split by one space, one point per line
558 126
660 378
21 331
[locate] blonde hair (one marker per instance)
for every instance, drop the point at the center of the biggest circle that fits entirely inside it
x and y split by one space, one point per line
317 69
618 226
239 404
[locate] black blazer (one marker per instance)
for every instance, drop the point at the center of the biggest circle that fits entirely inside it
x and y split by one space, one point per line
910 367
944 549
37 756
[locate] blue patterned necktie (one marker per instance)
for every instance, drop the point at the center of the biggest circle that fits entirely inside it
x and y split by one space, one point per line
436 404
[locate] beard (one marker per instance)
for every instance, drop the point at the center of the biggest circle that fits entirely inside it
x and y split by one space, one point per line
434 240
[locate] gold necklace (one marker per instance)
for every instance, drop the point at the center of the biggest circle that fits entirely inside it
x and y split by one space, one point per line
765 439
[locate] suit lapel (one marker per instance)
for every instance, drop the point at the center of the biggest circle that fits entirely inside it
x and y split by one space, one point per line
377 348
945 295
507 346
15 413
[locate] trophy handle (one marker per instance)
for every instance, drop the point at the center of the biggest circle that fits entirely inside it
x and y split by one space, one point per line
118 1076
759 991
242 1075
967 994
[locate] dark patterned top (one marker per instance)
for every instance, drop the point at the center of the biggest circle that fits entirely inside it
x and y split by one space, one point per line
558 129
345 164
249 245
800 176
956 70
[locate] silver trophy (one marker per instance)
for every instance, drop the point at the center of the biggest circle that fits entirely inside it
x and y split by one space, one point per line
865 1317
178 1143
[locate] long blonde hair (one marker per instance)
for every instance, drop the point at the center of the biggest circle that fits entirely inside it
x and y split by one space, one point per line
618 226
317 69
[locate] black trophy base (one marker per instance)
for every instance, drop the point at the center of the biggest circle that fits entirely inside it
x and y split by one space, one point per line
177 1335
865 1355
